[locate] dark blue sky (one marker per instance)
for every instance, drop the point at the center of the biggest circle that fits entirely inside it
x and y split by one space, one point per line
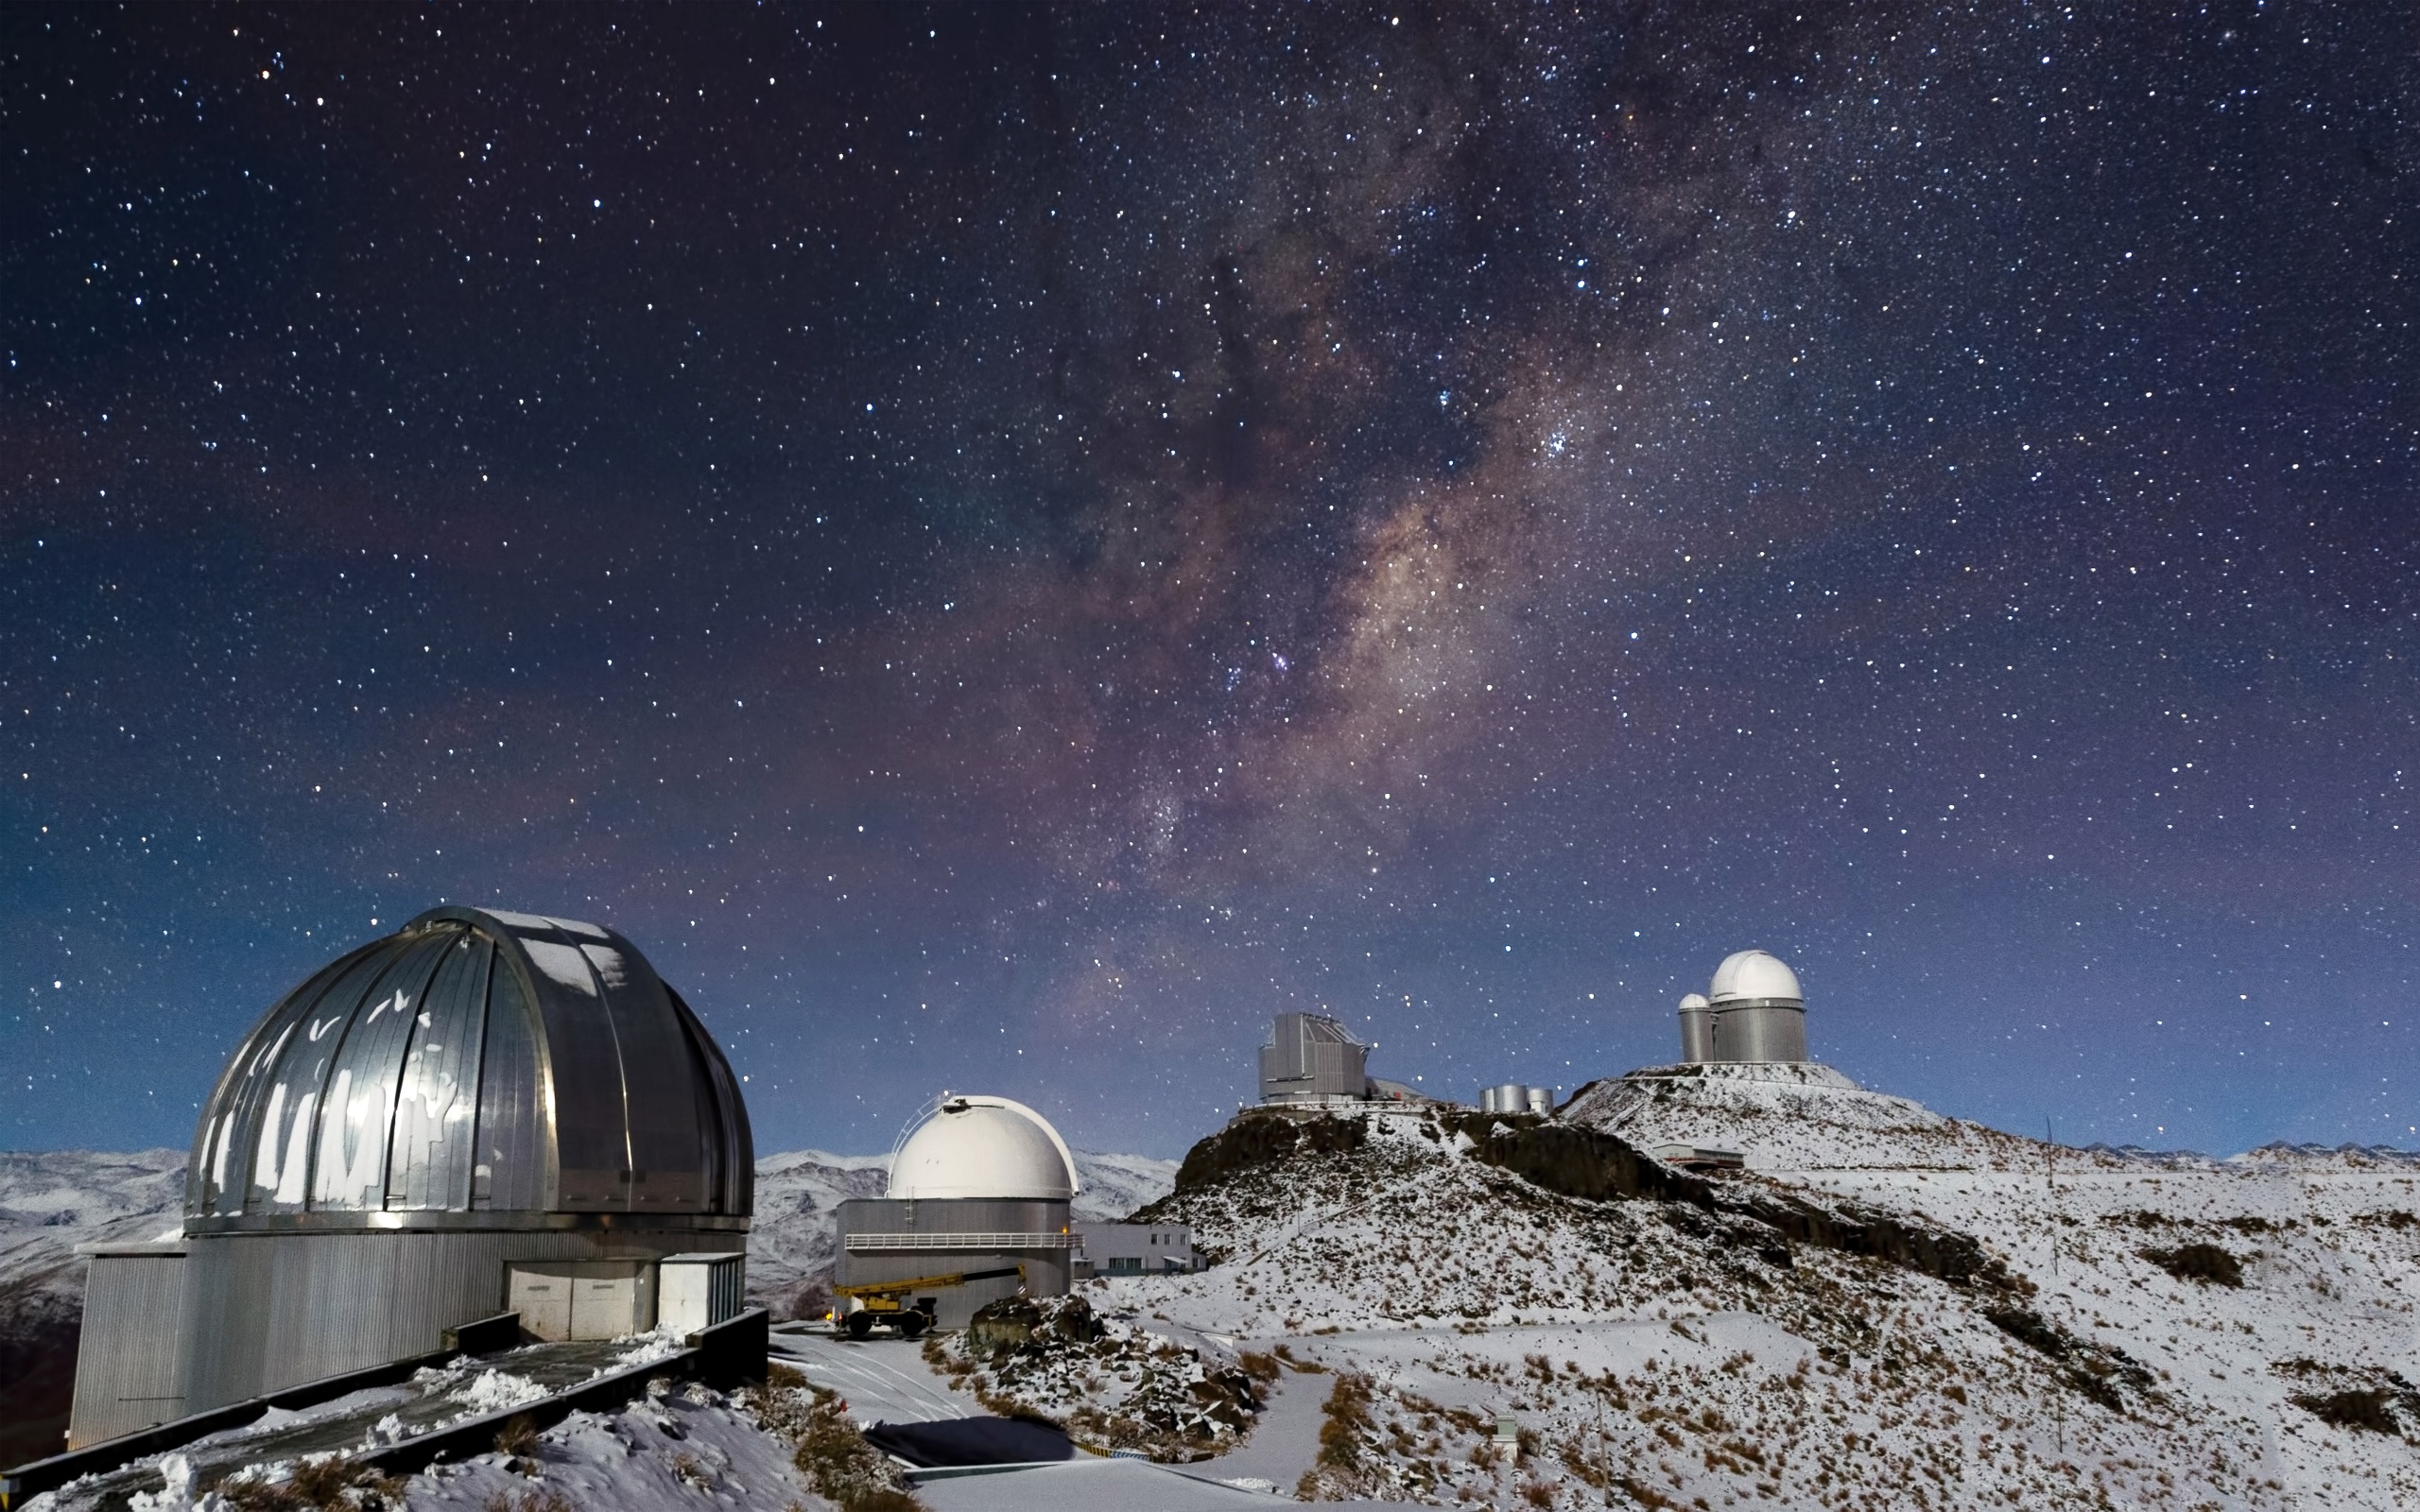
1004 547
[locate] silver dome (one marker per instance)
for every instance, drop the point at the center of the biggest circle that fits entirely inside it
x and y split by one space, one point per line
479 1063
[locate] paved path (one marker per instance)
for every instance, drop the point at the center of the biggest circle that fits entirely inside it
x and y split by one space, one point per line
1087 1484
1286 1439
883 1380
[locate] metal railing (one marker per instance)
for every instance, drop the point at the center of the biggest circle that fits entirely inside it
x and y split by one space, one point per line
971 1243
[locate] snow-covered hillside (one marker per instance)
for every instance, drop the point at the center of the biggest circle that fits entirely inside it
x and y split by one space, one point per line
1888 1309
1790 1118
2240 1336
49 1203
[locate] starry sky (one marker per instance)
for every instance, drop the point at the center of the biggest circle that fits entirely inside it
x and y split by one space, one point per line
1004 546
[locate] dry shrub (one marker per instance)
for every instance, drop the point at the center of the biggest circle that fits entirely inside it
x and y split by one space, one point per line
1342 1468
1348 1418
2207 1264
517 1438
327 1484
1644 1494
837 1461
536 1499
2365 1410
686 1469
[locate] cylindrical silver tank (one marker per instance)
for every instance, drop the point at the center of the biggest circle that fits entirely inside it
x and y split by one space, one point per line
1512 1097
1697 1030
1760 1032
1538 1099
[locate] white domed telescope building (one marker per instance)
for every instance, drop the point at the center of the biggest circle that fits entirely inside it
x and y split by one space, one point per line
977 1208
484 1112
1754 1012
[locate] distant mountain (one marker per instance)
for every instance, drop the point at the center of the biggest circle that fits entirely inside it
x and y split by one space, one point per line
50 1202
2342 1157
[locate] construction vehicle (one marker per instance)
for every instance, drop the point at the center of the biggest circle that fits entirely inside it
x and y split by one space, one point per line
860 1308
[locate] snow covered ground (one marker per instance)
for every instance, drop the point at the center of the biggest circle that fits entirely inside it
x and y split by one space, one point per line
1966 1319
1664 1351
689 1447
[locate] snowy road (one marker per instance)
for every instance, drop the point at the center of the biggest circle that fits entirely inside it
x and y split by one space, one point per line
1286 1439
883 1380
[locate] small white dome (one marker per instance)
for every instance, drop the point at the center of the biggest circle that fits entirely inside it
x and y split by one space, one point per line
1752 975
984 1147
1694 1001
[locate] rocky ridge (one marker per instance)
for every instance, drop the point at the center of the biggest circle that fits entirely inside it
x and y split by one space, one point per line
1990 1322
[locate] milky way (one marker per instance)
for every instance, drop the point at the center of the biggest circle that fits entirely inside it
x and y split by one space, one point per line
1004 547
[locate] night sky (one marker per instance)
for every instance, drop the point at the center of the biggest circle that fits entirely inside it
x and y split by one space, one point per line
1005 547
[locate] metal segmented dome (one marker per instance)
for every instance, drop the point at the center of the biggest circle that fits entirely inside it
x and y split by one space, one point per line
474 1062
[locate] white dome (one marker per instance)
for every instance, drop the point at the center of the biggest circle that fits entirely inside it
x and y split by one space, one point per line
1754 976
984 1147
1695 1000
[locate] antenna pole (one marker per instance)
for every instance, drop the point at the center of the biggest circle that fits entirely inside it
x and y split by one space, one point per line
2050 1184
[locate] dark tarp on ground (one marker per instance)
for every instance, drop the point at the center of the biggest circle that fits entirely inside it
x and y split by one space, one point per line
972 1441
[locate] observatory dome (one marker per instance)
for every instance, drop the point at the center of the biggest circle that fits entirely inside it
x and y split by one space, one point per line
1752 976
511 1066
984 1147
1694 1001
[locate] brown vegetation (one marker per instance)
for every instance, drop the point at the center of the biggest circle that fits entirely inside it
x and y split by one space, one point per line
837 1461
2206 1263
329 1483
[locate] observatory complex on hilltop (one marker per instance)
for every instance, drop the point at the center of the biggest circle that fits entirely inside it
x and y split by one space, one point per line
1749 1024
1312 1061
1754 1012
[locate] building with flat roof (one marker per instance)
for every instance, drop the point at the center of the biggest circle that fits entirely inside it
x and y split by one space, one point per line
1134 1249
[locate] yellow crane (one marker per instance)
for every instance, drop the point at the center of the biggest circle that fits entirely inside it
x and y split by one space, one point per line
862 1306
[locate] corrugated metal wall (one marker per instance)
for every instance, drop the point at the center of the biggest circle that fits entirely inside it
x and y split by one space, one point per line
127 1368
1311 1055
694 1291
270 1311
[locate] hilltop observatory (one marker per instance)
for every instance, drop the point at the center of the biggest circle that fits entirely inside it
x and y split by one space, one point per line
1312 1062
980 1184
484 1112
1754 1012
